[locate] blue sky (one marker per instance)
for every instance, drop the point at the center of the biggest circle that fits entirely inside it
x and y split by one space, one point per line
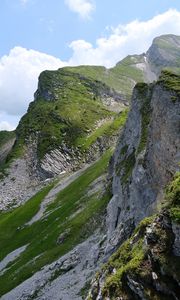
47 34
49 25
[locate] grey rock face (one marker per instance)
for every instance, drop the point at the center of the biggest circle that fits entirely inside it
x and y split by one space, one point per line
158 56
145 158
15 190
176 246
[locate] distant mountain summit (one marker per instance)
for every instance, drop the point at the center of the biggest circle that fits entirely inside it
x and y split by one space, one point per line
164 53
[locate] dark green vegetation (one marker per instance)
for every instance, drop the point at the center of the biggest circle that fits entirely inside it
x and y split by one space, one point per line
72 211
173 197
5 136
144 94
171 82
125 167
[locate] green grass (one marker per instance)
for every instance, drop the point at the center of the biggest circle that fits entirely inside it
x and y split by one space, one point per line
121 77
144 94
173 198
171 82
72 112
175 214
42 236
108 129
173 191
11 221
125 167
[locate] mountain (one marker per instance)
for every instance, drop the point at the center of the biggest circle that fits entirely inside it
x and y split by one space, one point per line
71 122
145 183
163 53
83 178
75 117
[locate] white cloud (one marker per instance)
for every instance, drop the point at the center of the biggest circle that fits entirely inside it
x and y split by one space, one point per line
18 77
135 37
20 69
4 125
83 8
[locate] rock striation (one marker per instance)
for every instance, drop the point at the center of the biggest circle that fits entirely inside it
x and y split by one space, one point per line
145 161
146 157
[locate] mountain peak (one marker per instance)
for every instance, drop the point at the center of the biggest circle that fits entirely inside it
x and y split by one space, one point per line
164 53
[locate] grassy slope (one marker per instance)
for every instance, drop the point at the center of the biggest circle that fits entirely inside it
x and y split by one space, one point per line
42 236
76 109
122 77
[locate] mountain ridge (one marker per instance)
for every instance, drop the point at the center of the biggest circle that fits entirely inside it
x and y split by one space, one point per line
68 224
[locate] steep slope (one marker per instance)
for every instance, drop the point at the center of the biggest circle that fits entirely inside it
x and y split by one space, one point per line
52 244
72 120
147 265
75 214
61 251
147 154
146 159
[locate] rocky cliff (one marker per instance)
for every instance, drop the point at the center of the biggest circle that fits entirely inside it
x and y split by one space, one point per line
147 154
146 159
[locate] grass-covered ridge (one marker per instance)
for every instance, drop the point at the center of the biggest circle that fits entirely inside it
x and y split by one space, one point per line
67 109
42 236
121 78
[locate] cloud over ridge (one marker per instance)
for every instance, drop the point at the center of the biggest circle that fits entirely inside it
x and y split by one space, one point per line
19 70
132 38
